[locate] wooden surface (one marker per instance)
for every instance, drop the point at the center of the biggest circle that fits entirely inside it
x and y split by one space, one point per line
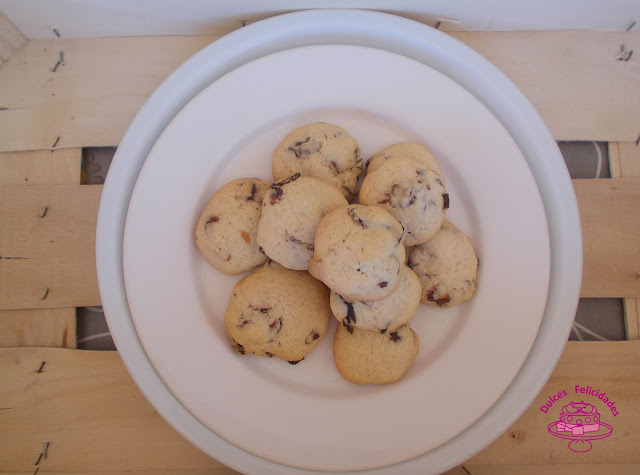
559 469
91 98
179 471
571 78
92 396
556 70
11 40
107 423
632 318
624 159
41 167
610 366
85 403
57 252
54 251
44 327
610 215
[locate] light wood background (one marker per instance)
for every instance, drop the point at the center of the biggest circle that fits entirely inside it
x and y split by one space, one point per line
85 403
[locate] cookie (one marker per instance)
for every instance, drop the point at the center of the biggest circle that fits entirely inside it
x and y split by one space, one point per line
447 267
368 357
383 315
413 193
358 252
278 312
412 150
291 211
226 230
321 150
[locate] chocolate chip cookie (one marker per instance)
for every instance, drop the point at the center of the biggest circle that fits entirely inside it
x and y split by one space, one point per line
382 315
321 150
413 193
291 211
447 267
369 357
227 228
358 252
412 150
278 312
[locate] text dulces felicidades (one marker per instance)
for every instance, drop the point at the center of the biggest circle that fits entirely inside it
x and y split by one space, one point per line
587 390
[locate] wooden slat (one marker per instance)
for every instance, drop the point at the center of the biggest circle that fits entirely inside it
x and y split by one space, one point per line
624 161
610 214
90 396
11 39
47 327
61 254
632 318
91 99
614 159
571 78
86 405
611 367
39 327
559 469
54 252
629 159
212 471
41 167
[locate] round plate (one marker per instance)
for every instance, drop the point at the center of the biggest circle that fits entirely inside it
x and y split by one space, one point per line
470 353
413 40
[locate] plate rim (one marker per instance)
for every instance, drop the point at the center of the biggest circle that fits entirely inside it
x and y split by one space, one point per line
151 174
392 33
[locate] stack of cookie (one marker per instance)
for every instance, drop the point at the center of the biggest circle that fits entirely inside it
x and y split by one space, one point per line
405 179
308 236
359 254
280 309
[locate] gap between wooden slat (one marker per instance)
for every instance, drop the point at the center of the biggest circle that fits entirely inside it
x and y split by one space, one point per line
569 76
86 395
624 161
44 327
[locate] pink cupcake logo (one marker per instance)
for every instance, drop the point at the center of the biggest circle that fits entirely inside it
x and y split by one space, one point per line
580 423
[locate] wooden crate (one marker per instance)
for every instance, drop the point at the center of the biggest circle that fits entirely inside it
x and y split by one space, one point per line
86 405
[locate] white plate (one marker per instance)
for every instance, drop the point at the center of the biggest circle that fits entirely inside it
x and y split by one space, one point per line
413 40
306 415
